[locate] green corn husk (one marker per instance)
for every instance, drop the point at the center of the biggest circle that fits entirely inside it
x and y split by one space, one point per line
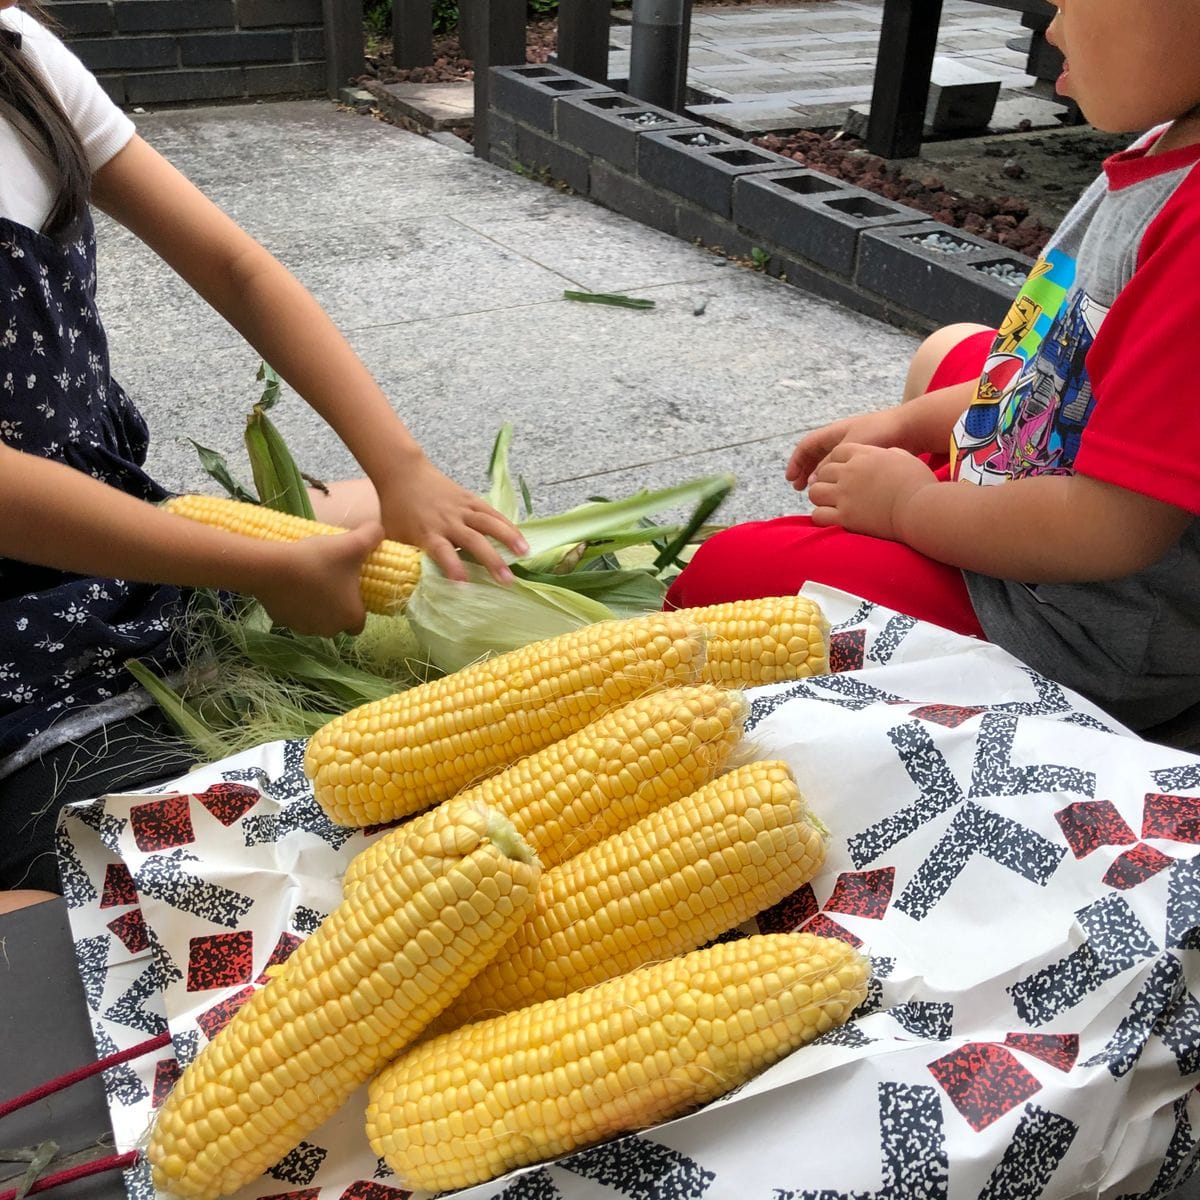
248 682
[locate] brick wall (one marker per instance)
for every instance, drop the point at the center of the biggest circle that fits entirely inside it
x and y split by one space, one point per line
167 51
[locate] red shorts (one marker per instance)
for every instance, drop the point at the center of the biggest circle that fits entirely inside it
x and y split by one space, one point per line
776 558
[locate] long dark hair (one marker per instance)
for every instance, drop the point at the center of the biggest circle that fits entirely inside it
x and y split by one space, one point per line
26 94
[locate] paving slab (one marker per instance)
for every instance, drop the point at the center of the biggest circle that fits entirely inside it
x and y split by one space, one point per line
432 105
448 278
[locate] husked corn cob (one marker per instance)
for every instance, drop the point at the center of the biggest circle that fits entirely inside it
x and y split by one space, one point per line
352 996
467 1106
396 756
389 572
762 641
670 883
577 791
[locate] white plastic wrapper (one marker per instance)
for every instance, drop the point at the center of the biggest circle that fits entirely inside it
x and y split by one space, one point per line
1021 871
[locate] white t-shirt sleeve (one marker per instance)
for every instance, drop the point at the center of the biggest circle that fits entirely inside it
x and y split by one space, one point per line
27 182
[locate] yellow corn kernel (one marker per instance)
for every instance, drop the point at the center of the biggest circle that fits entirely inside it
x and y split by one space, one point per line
651 1044
575 792
769 640
677 879
433 740
295 1051
389 572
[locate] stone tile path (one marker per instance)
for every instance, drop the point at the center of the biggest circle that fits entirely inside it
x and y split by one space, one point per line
766 69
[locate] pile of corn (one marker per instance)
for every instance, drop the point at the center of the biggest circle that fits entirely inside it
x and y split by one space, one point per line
518 965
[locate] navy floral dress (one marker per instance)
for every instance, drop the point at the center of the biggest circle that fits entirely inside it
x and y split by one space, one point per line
64 638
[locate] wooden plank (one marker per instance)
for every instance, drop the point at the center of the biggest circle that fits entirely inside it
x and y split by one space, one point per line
498 34
907 40
583 38
345 56
412 33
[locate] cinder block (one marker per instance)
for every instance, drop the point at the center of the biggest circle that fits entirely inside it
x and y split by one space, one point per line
260 45
701 165
609 125
502 139
717 233
634 198
79 17
814 215
528 93
286 79
940 272
144 16
960 97
815 282
126 53
255 13
540 153
168 87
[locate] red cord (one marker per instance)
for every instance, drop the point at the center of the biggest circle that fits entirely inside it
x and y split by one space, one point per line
114 1162
63 1081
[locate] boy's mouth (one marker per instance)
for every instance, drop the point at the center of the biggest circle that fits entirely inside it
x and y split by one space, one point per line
1061 81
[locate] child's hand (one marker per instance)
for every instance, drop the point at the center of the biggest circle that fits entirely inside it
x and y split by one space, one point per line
312 586
865 488
423 507
881 428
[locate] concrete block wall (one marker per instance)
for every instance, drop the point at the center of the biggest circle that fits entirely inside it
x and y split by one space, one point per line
171 51
701 184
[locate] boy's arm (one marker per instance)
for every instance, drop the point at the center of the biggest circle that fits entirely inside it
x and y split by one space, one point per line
282 321
56 516
921 426
1040 529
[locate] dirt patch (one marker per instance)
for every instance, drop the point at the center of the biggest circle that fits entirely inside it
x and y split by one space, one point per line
450 64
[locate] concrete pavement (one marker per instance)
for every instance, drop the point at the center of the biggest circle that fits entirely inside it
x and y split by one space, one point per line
447 276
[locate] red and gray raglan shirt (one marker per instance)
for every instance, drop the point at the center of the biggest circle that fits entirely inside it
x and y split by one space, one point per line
1096 370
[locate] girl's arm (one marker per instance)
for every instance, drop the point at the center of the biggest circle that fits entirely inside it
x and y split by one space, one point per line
56 516
282 321
1040 529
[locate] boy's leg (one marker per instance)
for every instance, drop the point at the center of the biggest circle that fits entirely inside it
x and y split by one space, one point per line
776 558
935 365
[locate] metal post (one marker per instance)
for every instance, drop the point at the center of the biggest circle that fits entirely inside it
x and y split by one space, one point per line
907 40
658 53
412 33
345 57
583 38
498 28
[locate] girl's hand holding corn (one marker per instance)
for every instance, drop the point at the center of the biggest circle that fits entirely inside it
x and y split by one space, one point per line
312 586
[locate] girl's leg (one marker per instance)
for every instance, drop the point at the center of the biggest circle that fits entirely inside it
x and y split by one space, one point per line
137 753
776 558
347 502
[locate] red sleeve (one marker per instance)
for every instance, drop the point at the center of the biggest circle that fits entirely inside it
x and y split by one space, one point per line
1144 431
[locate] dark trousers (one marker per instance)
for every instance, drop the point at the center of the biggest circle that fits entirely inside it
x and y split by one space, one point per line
139 752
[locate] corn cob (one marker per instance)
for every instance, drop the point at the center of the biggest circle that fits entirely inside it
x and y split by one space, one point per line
392 757
577 791
769 640
675 880
352 996
389 572
467 1106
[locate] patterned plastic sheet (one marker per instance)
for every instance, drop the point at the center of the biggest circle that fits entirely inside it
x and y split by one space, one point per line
1022 873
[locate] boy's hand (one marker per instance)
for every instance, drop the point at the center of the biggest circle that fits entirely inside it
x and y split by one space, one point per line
312 586
865 489
425 508
883 428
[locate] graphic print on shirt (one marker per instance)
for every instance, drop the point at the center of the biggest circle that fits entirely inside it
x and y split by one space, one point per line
1034 395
